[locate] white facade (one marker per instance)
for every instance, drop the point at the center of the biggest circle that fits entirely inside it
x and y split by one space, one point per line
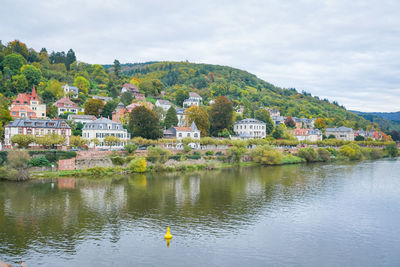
341 133
102 128
81 118
184 132
164 104
70 89
180 113
250 128
312 135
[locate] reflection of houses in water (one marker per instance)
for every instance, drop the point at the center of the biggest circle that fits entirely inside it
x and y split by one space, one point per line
187 193
66 183
103 197
254 187
194 190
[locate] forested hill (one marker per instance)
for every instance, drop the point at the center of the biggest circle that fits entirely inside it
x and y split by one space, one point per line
388 122
22 67
243 88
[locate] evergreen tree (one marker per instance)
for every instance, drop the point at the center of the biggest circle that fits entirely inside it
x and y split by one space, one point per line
264 116
171 119
117 68
221 115
71 58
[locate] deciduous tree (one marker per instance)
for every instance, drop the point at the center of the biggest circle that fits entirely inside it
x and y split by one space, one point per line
199 116
144 123
221 115
94 107
264 116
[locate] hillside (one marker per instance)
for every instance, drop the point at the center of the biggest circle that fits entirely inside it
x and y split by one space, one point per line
382 119
22 67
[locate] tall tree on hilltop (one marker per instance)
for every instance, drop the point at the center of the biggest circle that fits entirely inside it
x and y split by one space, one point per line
94 107
171 119
221 115
70 58
117 68
144 123
180 96
199 116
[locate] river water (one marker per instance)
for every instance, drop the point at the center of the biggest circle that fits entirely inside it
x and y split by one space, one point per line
298 215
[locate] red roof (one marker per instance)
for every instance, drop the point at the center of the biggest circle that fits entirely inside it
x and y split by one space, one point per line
185 129
25 98
20 108
65 102
130 87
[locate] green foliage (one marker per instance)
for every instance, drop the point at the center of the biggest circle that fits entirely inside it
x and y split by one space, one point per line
324 154
359 138
108 109
221 115
199 116
130 148
94 107
32 74
55 155
144 123
264 115
157 154
391 150
193 156
237 153
290 159
171 119
151 86
307 153
118 161
209 153
138 164
126 98
39 161
266 155
82 83
187 148
180 96
17 168
350 152
22 140
97 171
13 62
77 141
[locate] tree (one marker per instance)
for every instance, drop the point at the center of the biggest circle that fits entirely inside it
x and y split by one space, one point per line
221 115
117 68
289 122
395 135
111 141
320 123
278 132
77 141
82 84
94 107
263 115
157 154
22 140
108 109
171 119
151 86
237 152
266 155
98 74
138 164
199 116
32 74
391 150
14 62
95 142
70 58
307 153
17 47
180 96
126 98
50 140
19 83
359 138
52 111
143 122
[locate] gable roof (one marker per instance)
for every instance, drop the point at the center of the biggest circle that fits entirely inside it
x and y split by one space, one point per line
39 123
64 101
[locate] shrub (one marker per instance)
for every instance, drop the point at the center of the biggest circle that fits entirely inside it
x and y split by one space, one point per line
267 155
219 153
157 154
97 171
237 152
138 164
351 152
3 157
375 153
333 151
323 154
130 148
391 150
18 165
187 148
54 155
118 161
39 161
307 153
290 159
209 153
176 157
129 159
193 156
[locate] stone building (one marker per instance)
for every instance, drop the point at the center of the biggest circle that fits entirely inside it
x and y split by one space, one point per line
250 128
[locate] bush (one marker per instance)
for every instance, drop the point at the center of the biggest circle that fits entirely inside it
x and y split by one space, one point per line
307 153
97 171
176 157
219 153
130 148
237 153
209 153
18 165
193 156
267 155
118 161
139 164
3 157
375 153
290 159
323 154
129 159
157 154
39 161
351 152
391 150
54 155
187 148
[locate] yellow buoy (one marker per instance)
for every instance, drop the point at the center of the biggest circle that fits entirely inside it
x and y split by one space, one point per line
168 234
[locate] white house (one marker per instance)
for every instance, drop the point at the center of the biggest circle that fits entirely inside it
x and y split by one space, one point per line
81 118
65 105
36 127
183 132
164 104
70 89
180 113
193 100
341 133
102 128
250 128
312 135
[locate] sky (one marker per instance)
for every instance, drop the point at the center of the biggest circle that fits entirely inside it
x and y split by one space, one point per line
342 50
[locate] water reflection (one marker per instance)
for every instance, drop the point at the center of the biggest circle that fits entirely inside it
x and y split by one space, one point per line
60 219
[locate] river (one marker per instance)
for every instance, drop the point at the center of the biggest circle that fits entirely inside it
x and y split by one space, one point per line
294 215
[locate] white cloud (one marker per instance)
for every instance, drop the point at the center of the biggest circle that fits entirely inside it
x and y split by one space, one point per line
341 50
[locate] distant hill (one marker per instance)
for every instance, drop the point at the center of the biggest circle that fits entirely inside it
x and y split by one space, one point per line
388 122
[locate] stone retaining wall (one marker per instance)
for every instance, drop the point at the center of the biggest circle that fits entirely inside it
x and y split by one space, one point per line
66 164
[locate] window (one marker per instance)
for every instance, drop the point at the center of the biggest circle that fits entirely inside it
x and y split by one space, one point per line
196 135
29 131
14 113
180 134
188 135
20 130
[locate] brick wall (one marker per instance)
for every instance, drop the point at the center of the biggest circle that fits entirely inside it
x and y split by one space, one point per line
92 154
66 164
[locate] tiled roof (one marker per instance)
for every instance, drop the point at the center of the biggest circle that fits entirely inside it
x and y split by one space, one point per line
340 129
102 124
249 121
39 123
184 129
63 101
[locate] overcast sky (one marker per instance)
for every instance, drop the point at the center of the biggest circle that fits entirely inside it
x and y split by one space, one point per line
343 50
